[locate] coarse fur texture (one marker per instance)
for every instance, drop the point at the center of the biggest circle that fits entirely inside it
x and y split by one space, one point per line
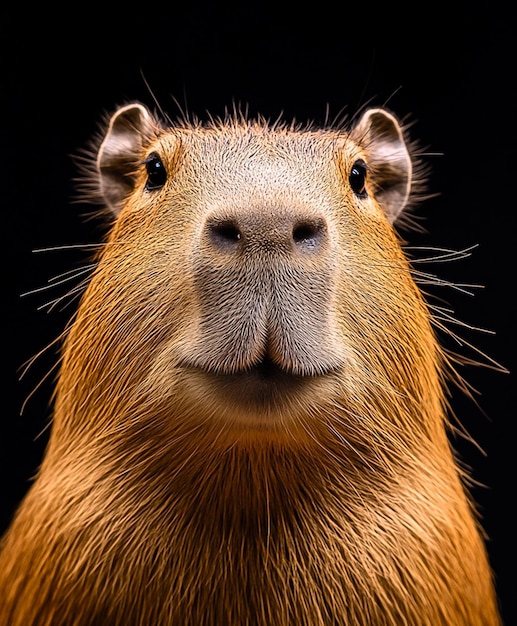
250 422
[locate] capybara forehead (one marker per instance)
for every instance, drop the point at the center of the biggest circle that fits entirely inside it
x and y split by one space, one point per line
239 160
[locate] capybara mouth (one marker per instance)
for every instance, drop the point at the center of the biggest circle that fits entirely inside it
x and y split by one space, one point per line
263 386
267 370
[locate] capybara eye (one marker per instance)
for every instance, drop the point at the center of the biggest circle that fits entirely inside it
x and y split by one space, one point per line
156 172
357 178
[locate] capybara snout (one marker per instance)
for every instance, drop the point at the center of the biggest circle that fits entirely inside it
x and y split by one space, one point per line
264 278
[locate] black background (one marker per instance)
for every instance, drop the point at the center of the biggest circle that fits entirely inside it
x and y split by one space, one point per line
450 72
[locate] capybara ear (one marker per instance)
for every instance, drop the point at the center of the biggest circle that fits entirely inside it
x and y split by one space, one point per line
380 135
120 153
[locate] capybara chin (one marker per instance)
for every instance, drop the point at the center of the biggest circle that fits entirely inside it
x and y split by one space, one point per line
250 424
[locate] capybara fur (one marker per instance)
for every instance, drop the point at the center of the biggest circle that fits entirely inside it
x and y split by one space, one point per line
250 424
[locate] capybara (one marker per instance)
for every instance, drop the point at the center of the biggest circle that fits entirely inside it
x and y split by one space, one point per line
250 424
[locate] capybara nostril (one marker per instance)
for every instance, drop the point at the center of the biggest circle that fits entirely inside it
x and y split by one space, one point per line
309 235
224 234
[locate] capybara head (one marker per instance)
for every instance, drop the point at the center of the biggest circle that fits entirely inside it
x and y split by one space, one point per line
250 424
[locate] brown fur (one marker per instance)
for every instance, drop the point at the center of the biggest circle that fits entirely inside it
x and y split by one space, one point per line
250 424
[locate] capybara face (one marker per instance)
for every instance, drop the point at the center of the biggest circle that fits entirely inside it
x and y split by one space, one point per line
253 273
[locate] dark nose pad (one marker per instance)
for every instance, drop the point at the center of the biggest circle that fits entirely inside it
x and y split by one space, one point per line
294 233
